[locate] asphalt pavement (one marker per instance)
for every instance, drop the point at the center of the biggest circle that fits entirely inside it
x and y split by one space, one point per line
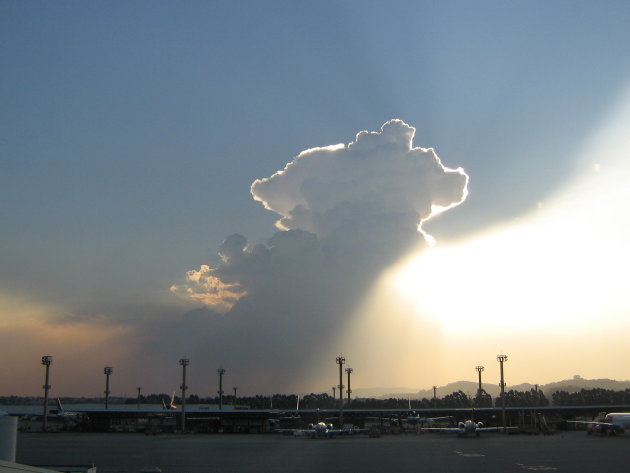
244 453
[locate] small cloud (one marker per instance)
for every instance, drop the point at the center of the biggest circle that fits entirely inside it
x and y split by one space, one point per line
202 285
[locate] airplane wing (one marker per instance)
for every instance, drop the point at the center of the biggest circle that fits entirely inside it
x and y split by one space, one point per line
355 430
440 418
441 429
496 429
588 422
598 427
296 432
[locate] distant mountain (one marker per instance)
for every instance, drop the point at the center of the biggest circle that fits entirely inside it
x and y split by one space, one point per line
574 384
469 387
577 383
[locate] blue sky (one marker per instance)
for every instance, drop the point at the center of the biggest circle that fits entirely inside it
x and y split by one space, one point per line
132 131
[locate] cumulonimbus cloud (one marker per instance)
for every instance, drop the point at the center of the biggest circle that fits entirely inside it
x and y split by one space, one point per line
347 212
367 195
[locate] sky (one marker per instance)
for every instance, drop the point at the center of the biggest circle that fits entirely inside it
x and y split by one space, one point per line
262 186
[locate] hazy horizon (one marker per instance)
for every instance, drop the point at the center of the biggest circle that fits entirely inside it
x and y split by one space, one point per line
373 391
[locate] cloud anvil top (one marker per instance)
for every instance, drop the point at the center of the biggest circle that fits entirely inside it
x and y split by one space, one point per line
378 176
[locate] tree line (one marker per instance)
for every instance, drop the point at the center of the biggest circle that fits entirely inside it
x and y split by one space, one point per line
458 399
591 397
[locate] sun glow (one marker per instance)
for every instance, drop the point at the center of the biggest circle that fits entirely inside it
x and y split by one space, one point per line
538 274
564 265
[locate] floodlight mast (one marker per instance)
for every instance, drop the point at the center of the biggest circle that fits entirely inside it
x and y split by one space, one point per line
46 361
536 405
107 371
349 391
184 362
340 361
221 372
479 370
502 359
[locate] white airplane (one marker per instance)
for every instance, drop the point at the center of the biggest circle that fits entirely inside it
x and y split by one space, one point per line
171 405
613 423
61 411
464 428
57 419
320 429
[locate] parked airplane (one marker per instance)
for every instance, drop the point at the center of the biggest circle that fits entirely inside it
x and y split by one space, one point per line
464 428
57 420
613 423
171 405
415 419
319 430
61 412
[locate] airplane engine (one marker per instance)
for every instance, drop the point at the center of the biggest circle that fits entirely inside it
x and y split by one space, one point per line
461 425
479 425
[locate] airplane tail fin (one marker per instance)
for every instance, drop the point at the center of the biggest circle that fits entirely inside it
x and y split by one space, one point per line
297 407
59 407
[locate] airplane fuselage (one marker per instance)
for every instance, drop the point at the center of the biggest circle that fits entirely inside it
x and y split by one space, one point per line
613 423
469 428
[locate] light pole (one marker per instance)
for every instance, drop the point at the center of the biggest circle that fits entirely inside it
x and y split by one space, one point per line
221 372
234 388
139 388
334 392
502 359
479 370
183 362
349 391
340 361
46 361
107 371
536 406
434 397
